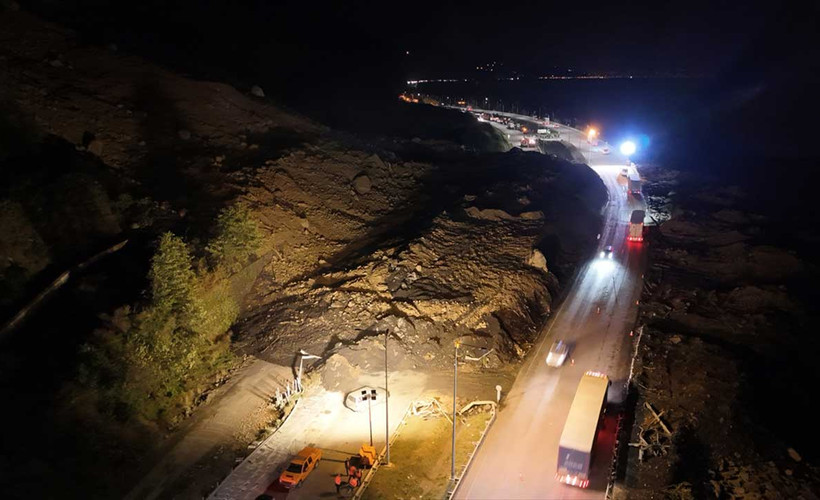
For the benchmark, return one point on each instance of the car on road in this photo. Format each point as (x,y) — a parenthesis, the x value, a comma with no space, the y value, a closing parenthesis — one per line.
(558,353)
(300,467)
(607,252)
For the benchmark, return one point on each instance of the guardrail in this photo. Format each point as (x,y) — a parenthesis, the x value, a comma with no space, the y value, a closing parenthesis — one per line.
(369,477)
(619,430)
(292,388)
(453,488)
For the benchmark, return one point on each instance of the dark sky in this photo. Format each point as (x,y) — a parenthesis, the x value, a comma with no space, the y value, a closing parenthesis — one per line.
(534,36)
(307,48)
(445,37)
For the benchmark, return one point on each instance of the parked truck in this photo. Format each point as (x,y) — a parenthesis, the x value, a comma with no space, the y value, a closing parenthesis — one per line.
(578,438)
(634,182)
(636,226)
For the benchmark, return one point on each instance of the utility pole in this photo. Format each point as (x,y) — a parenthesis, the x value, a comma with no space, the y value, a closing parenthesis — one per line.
(455,384)
(303,356)
(386,403)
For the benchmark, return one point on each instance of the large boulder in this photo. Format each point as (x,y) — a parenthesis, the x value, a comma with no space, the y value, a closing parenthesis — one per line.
(538,260)
(488,214)
(362,184)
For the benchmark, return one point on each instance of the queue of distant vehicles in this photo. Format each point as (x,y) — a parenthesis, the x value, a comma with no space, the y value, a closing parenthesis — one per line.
(537,128)
(586,414)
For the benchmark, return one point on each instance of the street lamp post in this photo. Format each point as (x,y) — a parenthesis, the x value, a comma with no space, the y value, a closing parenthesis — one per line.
(455,385)
(386,405)
(302,356)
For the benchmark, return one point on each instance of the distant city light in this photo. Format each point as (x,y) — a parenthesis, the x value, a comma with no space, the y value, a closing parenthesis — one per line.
(628,148)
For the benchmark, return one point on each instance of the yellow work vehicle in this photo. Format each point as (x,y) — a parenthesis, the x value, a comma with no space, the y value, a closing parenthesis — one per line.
(366,457)
(300,466)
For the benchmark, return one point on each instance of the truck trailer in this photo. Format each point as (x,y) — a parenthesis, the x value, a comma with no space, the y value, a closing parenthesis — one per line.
(636,226)
(634,182)
(578,437)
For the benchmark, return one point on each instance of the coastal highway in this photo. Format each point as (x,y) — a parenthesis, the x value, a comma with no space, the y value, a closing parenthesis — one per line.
(518,459)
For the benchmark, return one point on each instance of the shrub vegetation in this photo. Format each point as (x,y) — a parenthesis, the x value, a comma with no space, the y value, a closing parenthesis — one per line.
(151,362)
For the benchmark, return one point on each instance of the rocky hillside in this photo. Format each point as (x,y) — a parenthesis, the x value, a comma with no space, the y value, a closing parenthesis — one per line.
(429,252)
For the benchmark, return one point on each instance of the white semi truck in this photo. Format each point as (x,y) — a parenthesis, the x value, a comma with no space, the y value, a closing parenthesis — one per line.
(578,437)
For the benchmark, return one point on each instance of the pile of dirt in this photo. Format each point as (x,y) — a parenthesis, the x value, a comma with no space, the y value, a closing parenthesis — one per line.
(724,351)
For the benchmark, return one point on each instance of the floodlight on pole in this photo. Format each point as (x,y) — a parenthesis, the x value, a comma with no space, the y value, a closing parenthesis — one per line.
(369,397)
(628,148)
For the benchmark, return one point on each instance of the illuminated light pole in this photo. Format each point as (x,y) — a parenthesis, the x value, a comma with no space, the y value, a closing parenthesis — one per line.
(302,356)
(455,385)
(628,148)
(386,405)
(592,137)
(369,398)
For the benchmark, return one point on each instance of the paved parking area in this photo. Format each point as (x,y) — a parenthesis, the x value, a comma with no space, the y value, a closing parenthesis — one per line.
(321,420)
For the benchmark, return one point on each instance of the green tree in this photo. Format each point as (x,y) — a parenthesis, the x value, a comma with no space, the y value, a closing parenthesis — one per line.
(172,277)
(237,237)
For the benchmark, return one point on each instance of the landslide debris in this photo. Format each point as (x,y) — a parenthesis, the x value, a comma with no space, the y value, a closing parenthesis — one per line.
(726,351)
(431,253)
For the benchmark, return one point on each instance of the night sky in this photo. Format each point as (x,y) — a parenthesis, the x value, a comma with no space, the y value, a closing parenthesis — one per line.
(445,38)
(763,57)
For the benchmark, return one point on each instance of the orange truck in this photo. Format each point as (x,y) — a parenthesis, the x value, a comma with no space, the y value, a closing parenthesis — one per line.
(300,467)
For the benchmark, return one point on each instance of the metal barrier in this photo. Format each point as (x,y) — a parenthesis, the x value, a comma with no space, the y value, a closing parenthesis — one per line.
(613,468)
(369,477)
(453,488)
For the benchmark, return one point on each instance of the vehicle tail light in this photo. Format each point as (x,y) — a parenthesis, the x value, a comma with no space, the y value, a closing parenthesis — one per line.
(572,480)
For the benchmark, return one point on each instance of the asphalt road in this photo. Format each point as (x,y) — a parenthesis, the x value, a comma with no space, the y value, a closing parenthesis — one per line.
(519,457)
